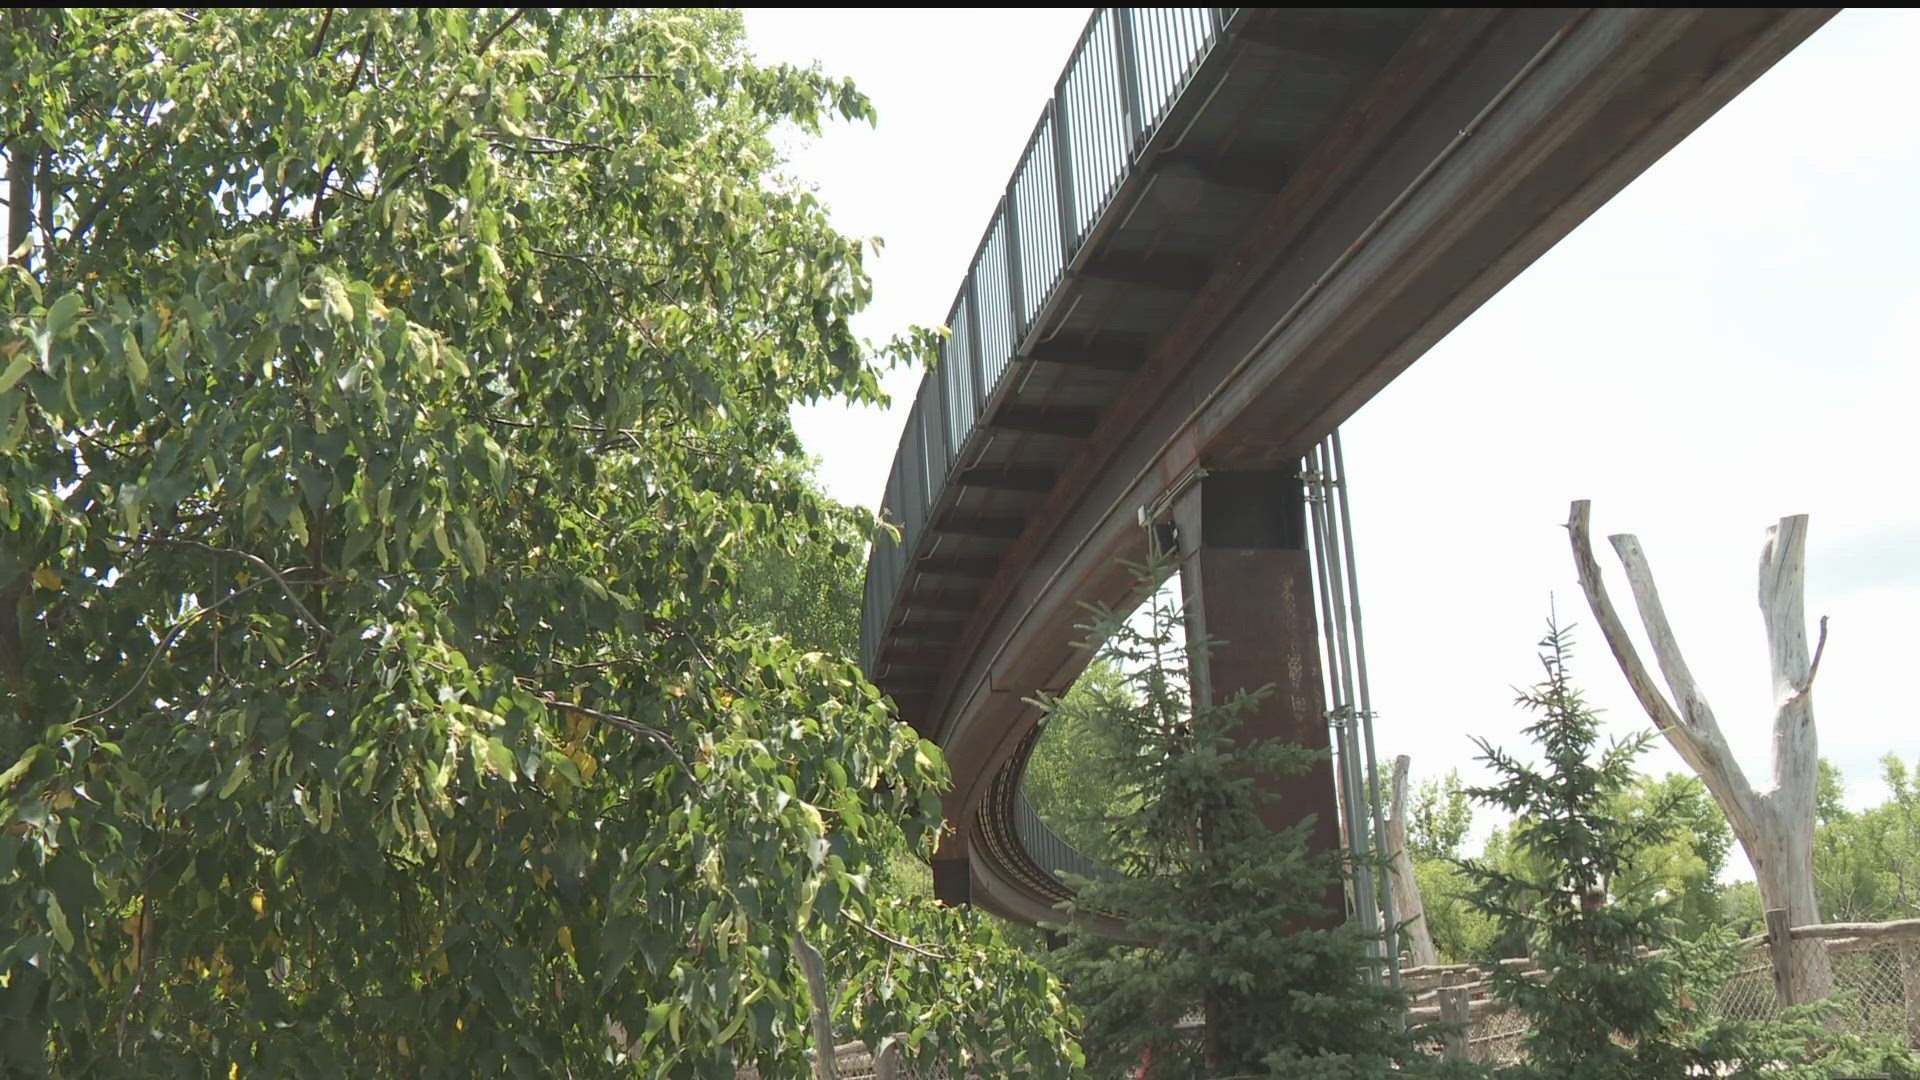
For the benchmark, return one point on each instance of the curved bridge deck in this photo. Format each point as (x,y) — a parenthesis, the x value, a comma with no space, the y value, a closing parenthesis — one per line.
(1229,230)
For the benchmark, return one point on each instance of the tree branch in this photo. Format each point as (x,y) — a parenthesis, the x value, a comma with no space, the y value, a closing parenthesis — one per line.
(165,643)
(1782,605)
(19,200)
(645,731)
(1782,598)
(550,146)
(353,80)
(824,1065)
(157,134)
(1813,669)
(894,941)
(142,947)
(320,36)
(13,652)
(1579,529)
(1695,714)
(256,561)
(487,42)
(1697,737)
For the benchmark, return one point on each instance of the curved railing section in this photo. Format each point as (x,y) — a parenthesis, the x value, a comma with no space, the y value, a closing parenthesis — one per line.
(1129,67)
(1050,850)
(1024,846)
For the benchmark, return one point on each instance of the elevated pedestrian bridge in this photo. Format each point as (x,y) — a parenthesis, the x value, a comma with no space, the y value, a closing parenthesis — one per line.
(1229,229)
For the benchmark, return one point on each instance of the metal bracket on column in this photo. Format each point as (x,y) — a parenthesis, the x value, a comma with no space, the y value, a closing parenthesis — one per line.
(1156,511)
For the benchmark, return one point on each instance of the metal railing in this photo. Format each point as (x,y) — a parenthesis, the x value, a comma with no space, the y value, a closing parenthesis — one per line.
(1129,67)
(1049,850)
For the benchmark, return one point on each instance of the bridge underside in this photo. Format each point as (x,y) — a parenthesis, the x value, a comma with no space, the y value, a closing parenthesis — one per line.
(1333,192)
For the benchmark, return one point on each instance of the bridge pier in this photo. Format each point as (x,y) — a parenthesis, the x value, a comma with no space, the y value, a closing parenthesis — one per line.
(1248,583)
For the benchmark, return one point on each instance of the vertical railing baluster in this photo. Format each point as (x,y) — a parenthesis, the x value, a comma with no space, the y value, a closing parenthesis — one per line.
(933,479)
(981,391)
(1129,77)
(916,468)
(916,474)
(1063,170)
(959,395)
(942,426)
(1016,289)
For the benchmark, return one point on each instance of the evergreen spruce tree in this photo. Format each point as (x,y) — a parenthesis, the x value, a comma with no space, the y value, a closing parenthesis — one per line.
(1230,964)
(1620,996)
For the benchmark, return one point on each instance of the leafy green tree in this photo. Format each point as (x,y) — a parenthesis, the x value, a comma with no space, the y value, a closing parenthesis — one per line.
(1224,923)
(1572,891)
(807,587)
(1438,818)
(1866,864)
(1829,797)
(387,398)
(1686,866)
(1622,995)
(1462,933)
(1069,778)
(1903,830)
(1740,900)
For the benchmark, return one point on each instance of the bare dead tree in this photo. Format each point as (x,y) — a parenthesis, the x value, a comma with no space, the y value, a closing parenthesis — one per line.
(1774,824)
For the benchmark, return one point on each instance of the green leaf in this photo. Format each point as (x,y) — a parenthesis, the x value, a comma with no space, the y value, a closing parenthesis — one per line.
(339,305)
(473,545)
(18,770)
(657,1014)
(500,758)
(57,921)
(61,315)
(236,776)
(16,370)
(136,363)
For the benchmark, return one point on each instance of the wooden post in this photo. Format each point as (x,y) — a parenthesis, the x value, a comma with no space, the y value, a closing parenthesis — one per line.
(1780,950)
(826,1061)
(1456,1011)
(1408,905)
(1910,989)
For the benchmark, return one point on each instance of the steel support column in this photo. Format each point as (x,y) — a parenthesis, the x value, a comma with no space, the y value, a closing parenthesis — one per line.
(1248,584)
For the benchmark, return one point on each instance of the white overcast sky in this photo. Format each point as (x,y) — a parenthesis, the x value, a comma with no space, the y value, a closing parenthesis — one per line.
(1734,338)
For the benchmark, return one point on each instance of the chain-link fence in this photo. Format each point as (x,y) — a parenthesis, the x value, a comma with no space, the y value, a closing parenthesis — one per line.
(852,1061)
(1871,971)
(1494,1038)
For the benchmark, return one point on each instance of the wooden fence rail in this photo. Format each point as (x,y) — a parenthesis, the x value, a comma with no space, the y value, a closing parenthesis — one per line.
(1876,970)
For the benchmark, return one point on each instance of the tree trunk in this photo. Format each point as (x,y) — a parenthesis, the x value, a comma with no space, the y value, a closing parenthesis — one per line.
(19,204)
(1407,905)
(825,1064)
(21,157)
(1774,825)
